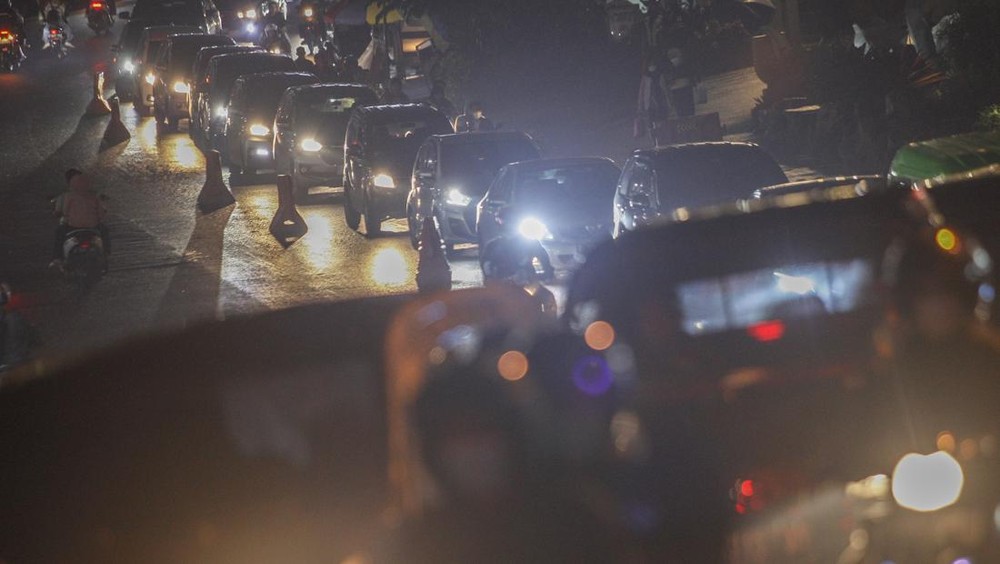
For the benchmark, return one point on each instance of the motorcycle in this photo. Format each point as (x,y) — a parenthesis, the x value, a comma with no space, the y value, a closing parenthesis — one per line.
(57,40)
(10,51)
(311,28)
(84,260)
(274,40)
(99,17)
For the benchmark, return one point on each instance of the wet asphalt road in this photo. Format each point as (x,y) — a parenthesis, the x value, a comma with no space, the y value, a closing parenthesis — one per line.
(172,265)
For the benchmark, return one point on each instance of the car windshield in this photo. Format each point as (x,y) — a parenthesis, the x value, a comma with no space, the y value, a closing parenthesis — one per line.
(152,48)
(702,176)
(183,55)
(404,135)
(593,183)
(471,159)
(329,114)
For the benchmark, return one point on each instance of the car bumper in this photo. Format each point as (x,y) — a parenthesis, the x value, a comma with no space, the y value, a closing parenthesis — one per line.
(178,106)
(390,203)
(458,222)
(320,170)
(257,153)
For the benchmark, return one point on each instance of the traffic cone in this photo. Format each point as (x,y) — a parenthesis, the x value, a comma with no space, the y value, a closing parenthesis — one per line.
(214,193)
(116,132)
(433,270)
(98,106)
(287,225)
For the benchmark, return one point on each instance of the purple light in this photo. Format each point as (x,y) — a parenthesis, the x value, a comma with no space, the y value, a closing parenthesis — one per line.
(592,375)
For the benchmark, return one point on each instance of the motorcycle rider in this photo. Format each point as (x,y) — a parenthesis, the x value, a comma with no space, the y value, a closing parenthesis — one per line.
(302,63)
(316,21)
(79,208)
(55,17)
(7,21)
(277,19)
(16,335)
(109,6)
(10,16)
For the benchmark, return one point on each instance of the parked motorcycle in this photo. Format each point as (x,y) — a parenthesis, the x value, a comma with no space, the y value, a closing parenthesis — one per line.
(10,51)
(99,17)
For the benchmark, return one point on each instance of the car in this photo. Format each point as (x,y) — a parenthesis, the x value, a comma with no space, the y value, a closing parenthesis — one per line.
(452,172)
(173,79)
(199,79)
(249,130)
(202,13)
(764,344)
(125,48)
(223,71)
(309,129)
(655,182)
(864,182)
(944,156)
(559,208)
(147,54)
(380,145)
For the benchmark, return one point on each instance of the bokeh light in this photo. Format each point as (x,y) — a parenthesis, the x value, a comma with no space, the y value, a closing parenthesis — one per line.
(599,335)
(592,375)
(946,239)
(946,441)
(512,365)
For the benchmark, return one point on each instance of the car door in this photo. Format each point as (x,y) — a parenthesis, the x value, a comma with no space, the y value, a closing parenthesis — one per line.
(234,122)
(493,206)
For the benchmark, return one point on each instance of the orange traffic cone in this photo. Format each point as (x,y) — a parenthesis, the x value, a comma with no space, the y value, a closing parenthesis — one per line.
(98,106)
(214,193)
(287,225)
(433,270)
(116,132)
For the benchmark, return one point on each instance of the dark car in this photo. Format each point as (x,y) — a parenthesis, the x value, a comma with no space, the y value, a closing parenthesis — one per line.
(202,13)
(249,121)
(199,78)
(309,130)
(126,57)
(223,71)
(763,344)
(656,182)
(557,208)
(146,58)
(451,174)
(172,84)
(379,149)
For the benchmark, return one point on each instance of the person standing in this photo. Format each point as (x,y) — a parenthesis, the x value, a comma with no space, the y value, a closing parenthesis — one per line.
(474,120)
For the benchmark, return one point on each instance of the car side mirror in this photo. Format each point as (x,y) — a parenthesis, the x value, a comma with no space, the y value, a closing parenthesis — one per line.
(124,14)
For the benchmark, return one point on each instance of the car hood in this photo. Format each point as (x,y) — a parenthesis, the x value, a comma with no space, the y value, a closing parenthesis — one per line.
(575,219)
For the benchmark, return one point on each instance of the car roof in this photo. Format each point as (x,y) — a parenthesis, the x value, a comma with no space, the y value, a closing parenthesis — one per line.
(871,181)
(323,88)
(702,146)
(560,162)
(249,57)
(195,38)
(168,30)
(946,155)
(398,111)
(262,78)
(480,136)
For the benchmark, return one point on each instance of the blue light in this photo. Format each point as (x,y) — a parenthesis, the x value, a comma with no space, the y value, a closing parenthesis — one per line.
(592,375)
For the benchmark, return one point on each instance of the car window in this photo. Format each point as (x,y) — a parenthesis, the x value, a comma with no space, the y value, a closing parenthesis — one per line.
(623,180)
(640,182)
(500,191)
(578,183)
(705,176)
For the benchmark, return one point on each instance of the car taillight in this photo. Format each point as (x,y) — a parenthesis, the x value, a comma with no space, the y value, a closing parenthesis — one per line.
(767,331)
(96,5)
(54,31)
(84,244)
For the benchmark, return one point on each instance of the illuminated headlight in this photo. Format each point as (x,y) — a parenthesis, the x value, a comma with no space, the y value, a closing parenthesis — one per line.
(150,79)
(927,483)
(127,66)
(383,181)
(312,146)
(259,130)
(308,12)
(455,197)
(251,13)
(239,15)
(261,152)
(181,88)
(251,27)
(534,229)
(221,112)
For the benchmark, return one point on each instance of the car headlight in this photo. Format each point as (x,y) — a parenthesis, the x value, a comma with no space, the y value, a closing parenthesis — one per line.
(181,87)
(251,13)
(927,482)
(239,15)
(128,66)
(251,27)
(308,12)
(534,229)
(455,197)
(311,145)
(150,79)
(259,130)
(221,112)
(383,181)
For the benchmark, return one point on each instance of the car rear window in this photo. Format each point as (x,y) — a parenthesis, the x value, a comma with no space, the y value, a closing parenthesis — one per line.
(703,176)
(229,73)
(566,183)
(183,54)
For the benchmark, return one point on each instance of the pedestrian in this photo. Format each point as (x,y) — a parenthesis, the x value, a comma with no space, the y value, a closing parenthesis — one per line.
(302,63)
(79,208)
(474,120)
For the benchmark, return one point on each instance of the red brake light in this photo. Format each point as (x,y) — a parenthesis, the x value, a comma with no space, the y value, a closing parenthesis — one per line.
(746,488)
(96,5)
(767,331)
(84,244)
(54,31)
